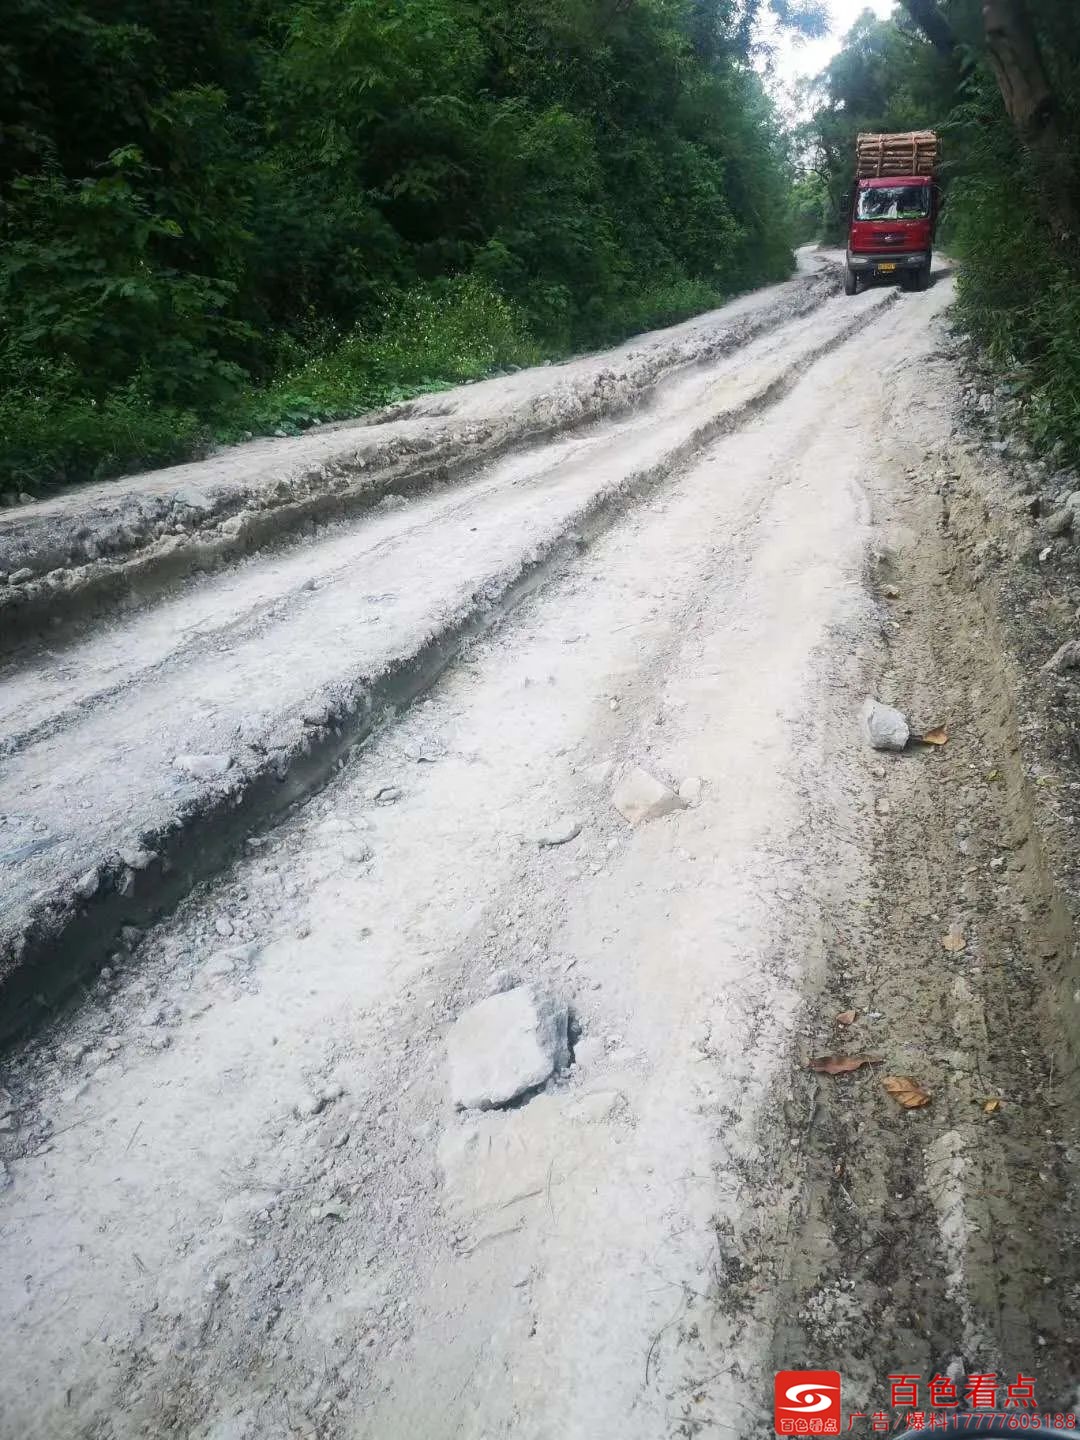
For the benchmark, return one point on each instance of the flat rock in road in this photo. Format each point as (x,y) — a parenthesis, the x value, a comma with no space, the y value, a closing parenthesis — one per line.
(640,796)
(505,1046)
(565,829)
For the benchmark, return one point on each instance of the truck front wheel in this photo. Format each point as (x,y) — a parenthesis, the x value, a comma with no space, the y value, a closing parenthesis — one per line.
(922,277)
(851,281)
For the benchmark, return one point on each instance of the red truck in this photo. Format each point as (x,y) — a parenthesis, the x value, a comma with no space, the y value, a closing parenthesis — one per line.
(893,213)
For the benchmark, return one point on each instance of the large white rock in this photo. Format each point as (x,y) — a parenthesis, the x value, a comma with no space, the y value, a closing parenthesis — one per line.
(886,728)
(640,796)
(505,1045)
(203,767)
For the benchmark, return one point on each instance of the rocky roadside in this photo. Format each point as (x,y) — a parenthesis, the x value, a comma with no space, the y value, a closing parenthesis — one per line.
(944,1236)
(1015,522)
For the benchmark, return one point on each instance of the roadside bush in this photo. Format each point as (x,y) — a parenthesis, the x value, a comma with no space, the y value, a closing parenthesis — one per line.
(442,333)
(665,302)
(55,438)
(86,290)
(1019,294)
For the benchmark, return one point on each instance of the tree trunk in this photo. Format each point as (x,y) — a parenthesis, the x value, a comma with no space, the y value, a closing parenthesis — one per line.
(933,24)
(1017,63)
(1013,50)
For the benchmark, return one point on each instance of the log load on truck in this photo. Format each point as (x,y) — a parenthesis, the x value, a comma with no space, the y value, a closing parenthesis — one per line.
(892,214)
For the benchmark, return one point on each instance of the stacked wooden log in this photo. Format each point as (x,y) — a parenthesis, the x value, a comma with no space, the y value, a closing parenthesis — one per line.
(915,152)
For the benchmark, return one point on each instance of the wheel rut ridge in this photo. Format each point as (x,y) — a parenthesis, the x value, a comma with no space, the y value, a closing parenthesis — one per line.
(63,939)
(91,563)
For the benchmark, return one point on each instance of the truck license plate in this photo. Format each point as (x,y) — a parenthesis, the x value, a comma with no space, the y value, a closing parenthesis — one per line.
(888,266)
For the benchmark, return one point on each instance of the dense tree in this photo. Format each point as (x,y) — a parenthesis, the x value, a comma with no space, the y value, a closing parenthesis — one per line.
(205,199)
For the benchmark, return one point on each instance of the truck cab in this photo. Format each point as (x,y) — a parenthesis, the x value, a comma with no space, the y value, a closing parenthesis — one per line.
(891,231)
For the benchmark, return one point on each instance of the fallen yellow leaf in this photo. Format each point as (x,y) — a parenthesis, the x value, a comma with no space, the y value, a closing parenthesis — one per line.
(841,1064)
(847,1017)
(906,1091)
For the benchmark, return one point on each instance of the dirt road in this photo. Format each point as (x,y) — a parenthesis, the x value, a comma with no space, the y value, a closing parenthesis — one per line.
(240,1200)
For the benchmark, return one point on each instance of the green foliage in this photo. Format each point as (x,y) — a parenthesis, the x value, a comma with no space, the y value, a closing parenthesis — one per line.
(218,217)
(441,333)
(809,201)
(55,434)
(1018,295)
(87,291)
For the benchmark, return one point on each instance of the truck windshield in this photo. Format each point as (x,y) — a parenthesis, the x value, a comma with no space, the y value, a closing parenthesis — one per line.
(894,202)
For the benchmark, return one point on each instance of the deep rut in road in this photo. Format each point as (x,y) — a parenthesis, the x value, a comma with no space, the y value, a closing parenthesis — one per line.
(228,668)
(241,1203)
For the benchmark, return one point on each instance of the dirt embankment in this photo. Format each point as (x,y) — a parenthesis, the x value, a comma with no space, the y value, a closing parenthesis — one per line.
(113,544)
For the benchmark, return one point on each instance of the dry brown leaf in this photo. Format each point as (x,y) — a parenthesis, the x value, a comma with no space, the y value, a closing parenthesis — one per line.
(847,1017)
(936,735)
(906,1091)
(954,940)
(991,1106)
(841,1064)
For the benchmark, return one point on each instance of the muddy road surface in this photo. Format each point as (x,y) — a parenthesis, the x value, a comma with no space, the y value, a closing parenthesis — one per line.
(418,919)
